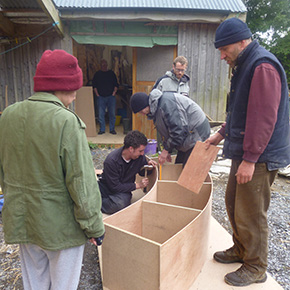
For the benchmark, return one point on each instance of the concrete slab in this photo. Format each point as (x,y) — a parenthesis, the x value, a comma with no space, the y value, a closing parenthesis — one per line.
(107,138)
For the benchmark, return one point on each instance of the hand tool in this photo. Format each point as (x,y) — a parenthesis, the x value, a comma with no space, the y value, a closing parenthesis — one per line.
(146,167)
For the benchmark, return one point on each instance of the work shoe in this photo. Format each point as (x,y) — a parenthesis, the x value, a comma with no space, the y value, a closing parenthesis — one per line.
(113,132)
(244,277)
(228,256)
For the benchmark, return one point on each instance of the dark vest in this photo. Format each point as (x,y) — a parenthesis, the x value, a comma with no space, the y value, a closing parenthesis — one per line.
(277,152)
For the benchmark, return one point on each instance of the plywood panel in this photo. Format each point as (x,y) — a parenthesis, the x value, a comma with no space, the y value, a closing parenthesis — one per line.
(182,257)
(84,107)
(170,171)
(127,219)
(162,221)
(169,250)
(172,193)
(197,166)
(129,262)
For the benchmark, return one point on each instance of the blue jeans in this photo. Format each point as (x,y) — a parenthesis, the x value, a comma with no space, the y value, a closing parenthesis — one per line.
(110,103)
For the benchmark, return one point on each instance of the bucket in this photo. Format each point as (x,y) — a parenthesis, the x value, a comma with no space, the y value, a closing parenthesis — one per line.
(151,147)
(118,120)
(122,112)
(1,203)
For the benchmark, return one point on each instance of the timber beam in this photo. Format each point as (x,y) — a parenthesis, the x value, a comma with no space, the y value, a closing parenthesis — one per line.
(50,10)
(6,25)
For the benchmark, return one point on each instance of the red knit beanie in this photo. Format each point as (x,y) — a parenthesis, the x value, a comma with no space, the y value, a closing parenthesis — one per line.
(57,70)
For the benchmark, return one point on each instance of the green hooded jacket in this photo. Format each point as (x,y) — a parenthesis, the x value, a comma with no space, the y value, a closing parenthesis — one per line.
(51,195)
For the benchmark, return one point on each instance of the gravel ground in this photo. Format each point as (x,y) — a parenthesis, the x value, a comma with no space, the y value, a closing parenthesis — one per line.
(279,240)
(278,220)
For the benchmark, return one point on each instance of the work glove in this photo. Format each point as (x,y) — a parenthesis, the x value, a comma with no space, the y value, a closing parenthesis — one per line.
(99,240)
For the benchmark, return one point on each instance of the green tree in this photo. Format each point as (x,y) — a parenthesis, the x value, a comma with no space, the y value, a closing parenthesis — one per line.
(269,21)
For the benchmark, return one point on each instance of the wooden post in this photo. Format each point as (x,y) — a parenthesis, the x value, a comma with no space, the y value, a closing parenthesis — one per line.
(6,96)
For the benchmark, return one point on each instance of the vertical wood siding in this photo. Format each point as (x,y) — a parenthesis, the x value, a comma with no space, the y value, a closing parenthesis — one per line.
(17,67)
(209,82)
(209,75)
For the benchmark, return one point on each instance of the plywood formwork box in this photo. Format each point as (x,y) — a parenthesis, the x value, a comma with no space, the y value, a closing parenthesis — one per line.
(160,241)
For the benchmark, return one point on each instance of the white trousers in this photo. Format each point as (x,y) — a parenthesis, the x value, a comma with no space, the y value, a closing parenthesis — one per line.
(50,270)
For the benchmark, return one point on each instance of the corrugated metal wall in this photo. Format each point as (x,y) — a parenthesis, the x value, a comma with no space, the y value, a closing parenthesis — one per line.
(17,67)
(209,80)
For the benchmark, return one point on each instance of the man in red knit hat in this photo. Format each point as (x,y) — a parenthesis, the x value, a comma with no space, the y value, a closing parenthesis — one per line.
(52,199)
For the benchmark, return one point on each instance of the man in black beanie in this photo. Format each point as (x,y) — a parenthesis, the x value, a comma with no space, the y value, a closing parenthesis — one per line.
(256,136)
(178,119)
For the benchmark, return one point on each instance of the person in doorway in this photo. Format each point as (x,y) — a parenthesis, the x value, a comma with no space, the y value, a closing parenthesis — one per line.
(105,87)
(52,200)
(120,168)
(176,80)
(178,119)
(256,136)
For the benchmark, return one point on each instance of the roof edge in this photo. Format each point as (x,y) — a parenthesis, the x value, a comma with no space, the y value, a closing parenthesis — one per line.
(168,17)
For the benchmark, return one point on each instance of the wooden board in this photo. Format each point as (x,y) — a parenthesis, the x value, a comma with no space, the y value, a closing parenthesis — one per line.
(161,221)
(158,242)
(197,167)
(182,257)
(170,171)
(84,106)
(172,193)
(130,262)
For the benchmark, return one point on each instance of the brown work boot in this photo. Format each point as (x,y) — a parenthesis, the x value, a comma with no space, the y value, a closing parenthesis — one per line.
(244,277)
(228,256)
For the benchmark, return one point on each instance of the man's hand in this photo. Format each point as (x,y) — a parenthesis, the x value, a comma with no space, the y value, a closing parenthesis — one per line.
(164,156)
(213,140)
(245,172)
(144,182)
(152,162)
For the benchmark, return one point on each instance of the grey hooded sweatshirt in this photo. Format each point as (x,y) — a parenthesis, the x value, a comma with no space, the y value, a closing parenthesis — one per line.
(178,119)
(170,83)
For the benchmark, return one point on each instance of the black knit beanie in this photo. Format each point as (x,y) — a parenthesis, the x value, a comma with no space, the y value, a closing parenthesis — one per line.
(231,31)
(139,101)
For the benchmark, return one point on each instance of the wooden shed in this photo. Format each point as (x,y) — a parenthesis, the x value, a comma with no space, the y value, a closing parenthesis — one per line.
(139,39)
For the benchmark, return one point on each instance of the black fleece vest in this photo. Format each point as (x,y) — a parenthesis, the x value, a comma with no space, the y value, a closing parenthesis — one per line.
(277,152)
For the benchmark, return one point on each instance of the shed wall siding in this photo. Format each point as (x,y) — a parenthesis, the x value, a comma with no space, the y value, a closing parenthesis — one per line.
(209,80)
(17,67)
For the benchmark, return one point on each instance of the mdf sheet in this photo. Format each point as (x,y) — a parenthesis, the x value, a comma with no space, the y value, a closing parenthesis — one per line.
(84,106)
(129,261)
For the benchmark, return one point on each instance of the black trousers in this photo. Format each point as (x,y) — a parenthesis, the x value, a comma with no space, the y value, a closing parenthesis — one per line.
(113,202)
